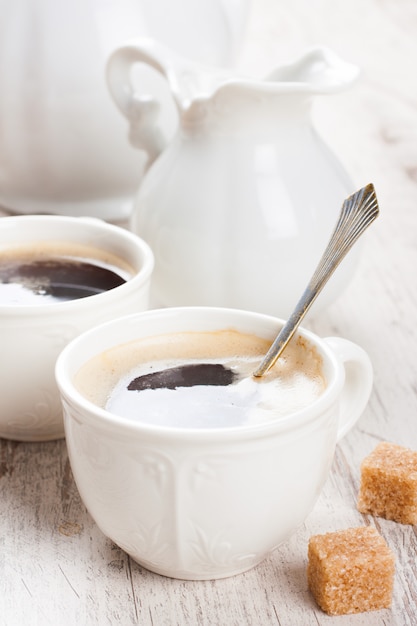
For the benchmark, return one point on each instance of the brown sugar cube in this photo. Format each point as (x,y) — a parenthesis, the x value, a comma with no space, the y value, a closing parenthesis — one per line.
(350,571)
(388,485)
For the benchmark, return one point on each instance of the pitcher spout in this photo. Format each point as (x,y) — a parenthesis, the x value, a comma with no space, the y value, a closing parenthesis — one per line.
(320,70)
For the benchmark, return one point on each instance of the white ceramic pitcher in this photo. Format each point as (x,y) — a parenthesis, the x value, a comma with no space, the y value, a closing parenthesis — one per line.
(62,143)
(240,204)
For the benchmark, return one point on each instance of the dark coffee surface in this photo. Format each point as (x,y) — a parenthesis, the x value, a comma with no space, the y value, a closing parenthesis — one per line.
(212,374)
(59,279)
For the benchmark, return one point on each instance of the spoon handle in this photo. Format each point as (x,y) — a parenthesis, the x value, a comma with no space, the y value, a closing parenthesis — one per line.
(357,213)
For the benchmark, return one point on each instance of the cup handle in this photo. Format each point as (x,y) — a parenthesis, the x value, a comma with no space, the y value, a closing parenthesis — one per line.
(358,382)
(141,110)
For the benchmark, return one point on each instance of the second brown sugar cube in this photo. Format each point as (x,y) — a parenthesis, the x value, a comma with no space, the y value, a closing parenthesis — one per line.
(350,571)
(389,484)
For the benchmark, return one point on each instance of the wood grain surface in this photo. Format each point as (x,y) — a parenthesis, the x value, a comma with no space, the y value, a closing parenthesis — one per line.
(56,567)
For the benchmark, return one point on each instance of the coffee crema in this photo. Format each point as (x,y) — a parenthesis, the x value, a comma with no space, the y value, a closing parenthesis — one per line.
(50,272)
(295,382)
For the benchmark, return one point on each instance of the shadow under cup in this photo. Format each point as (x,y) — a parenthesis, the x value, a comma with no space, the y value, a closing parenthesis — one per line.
(32,335)
(209,503)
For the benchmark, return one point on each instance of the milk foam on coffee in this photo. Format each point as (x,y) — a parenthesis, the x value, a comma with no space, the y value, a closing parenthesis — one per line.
(294,383)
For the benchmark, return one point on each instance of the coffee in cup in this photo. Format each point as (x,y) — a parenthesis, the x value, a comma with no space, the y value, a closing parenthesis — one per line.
(202,380)
(58,271)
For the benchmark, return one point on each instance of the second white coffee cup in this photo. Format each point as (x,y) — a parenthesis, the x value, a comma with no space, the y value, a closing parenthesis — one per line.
(32,335)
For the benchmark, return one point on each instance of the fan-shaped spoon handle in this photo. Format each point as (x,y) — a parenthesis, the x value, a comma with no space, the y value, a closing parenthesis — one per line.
(357,213)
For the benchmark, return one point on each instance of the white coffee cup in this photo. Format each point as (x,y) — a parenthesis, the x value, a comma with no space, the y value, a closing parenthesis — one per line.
(208,503)
(32,335)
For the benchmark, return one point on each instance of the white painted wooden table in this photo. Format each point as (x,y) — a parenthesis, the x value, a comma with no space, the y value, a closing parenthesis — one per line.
(56,568)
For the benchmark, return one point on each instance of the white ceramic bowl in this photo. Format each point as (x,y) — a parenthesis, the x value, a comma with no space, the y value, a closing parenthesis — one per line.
(203,504)
(31,336)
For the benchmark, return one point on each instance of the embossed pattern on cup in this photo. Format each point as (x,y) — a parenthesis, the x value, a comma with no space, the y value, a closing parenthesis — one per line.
(203,513)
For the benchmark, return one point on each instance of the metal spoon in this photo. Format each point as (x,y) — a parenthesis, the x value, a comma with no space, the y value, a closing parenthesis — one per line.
(357,213)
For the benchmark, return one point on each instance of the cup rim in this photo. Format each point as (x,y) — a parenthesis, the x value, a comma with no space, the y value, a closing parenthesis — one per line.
(67,365)
(140,277)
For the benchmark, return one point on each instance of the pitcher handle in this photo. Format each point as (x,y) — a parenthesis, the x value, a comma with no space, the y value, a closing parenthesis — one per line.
(358,382)
(141,110)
